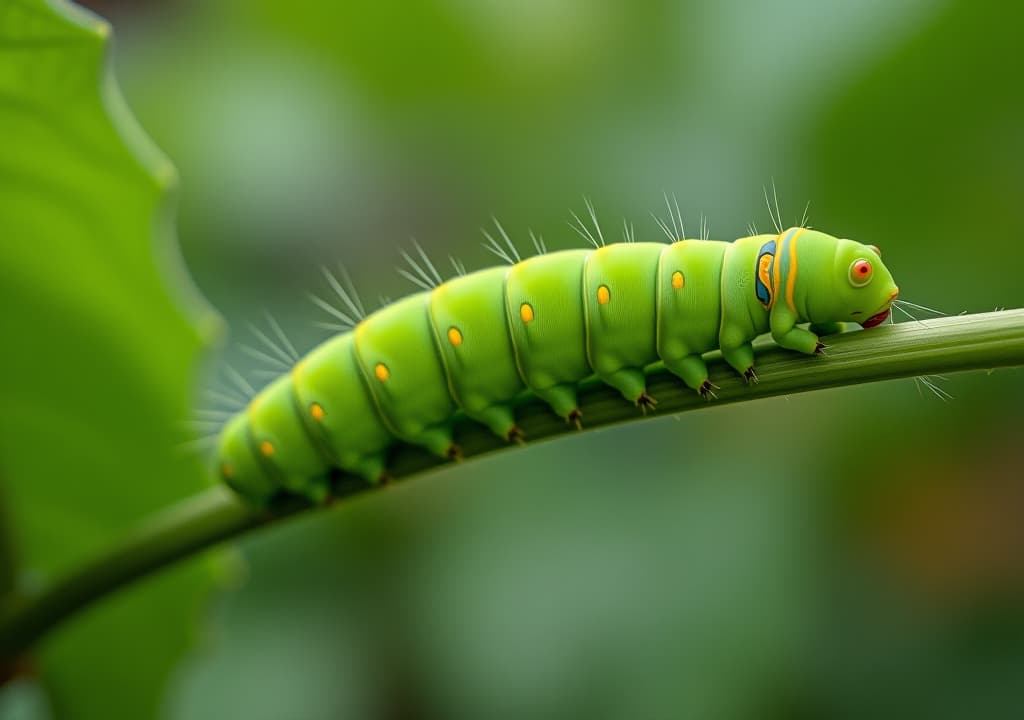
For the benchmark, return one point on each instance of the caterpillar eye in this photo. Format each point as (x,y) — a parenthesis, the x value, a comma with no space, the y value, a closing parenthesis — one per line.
(877,251)
(860,273)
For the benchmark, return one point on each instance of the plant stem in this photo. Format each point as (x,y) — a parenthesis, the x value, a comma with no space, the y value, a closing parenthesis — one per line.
(964,342)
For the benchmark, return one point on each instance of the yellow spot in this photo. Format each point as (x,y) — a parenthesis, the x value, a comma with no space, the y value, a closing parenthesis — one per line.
(677,280)
(526,312)
(382,372)
(227,471)
(454,336)
(316,411)
(266,448)
(603,296)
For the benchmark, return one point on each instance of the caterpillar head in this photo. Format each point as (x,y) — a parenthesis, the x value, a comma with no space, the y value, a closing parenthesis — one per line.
(862,286)
(237,465)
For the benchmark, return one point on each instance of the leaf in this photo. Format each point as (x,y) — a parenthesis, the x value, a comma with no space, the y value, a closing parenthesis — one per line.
(98,359)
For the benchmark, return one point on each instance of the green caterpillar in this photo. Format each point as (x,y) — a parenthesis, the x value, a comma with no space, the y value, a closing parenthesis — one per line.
(478,341)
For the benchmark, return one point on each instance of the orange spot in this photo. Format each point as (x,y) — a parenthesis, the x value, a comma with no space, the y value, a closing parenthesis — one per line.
(317,411)
(382,372)
(454,336)
(603,295)
(677,280)
(526,312)
(266,448)
(227,471)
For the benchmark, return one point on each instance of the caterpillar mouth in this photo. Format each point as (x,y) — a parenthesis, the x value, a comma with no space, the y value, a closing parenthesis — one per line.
(876,319)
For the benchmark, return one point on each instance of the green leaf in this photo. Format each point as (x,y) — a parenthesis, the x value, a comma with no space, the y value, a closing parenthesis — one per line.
(98,358)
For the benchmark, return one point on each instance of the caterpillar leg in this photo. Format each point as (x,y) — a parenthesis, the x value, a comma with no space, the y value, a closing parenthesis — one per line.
(788,335)
(693,371)
(741,358)
(632,383)
(371,469)
(562,399)
(830,328)
(318,493)
(500,420)
(315,489)
(438,441)
(800,340)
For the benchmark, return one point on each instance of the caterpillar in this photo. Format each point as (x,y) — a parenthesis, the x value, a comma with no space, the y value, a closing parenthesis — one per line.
(542,325)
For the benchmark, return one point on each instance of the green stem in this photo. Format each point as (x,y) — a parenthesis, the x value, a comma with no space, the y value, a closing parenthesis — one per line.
(965,342)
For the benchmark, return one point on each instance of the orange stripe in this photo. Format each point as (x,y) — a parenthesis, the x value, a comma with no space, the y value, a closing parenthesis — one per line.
(791,272)
(776,270)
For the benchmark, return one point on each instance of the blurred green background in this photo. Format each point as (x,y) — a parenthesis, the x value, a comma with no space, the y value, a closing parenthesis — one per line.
(745,561)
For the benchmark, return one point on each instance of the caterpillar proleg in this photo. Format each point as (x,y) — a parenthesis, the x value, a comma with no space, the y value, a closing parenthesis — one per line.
(542,325)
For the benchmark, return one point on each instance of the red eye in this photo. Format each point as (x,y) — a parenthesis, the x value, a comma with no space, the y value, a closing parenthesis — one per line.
(860,273)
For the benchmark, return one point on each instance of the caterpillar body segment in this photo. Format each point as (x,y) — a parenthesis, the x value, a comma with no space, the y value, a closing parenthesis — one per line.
(397,353)
(468,317)
(542,325)
(543,305)
(620,303)
(744,317)
(284,449)
(338,411)
(238,465)
(689,306)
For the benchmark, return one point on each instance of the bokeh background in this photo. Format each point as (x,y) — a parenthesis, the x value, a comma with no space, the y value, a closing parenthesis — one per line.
(849,553)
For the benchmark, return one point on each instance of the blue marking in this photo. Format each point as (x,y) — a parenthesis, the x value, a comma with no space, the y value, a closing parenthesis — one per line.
(763,292)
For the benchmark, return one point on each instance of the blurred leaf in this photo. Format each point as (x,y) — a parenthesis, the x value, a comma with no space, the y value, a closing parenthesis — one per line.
(930,134)
(636,572)
(96,371)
